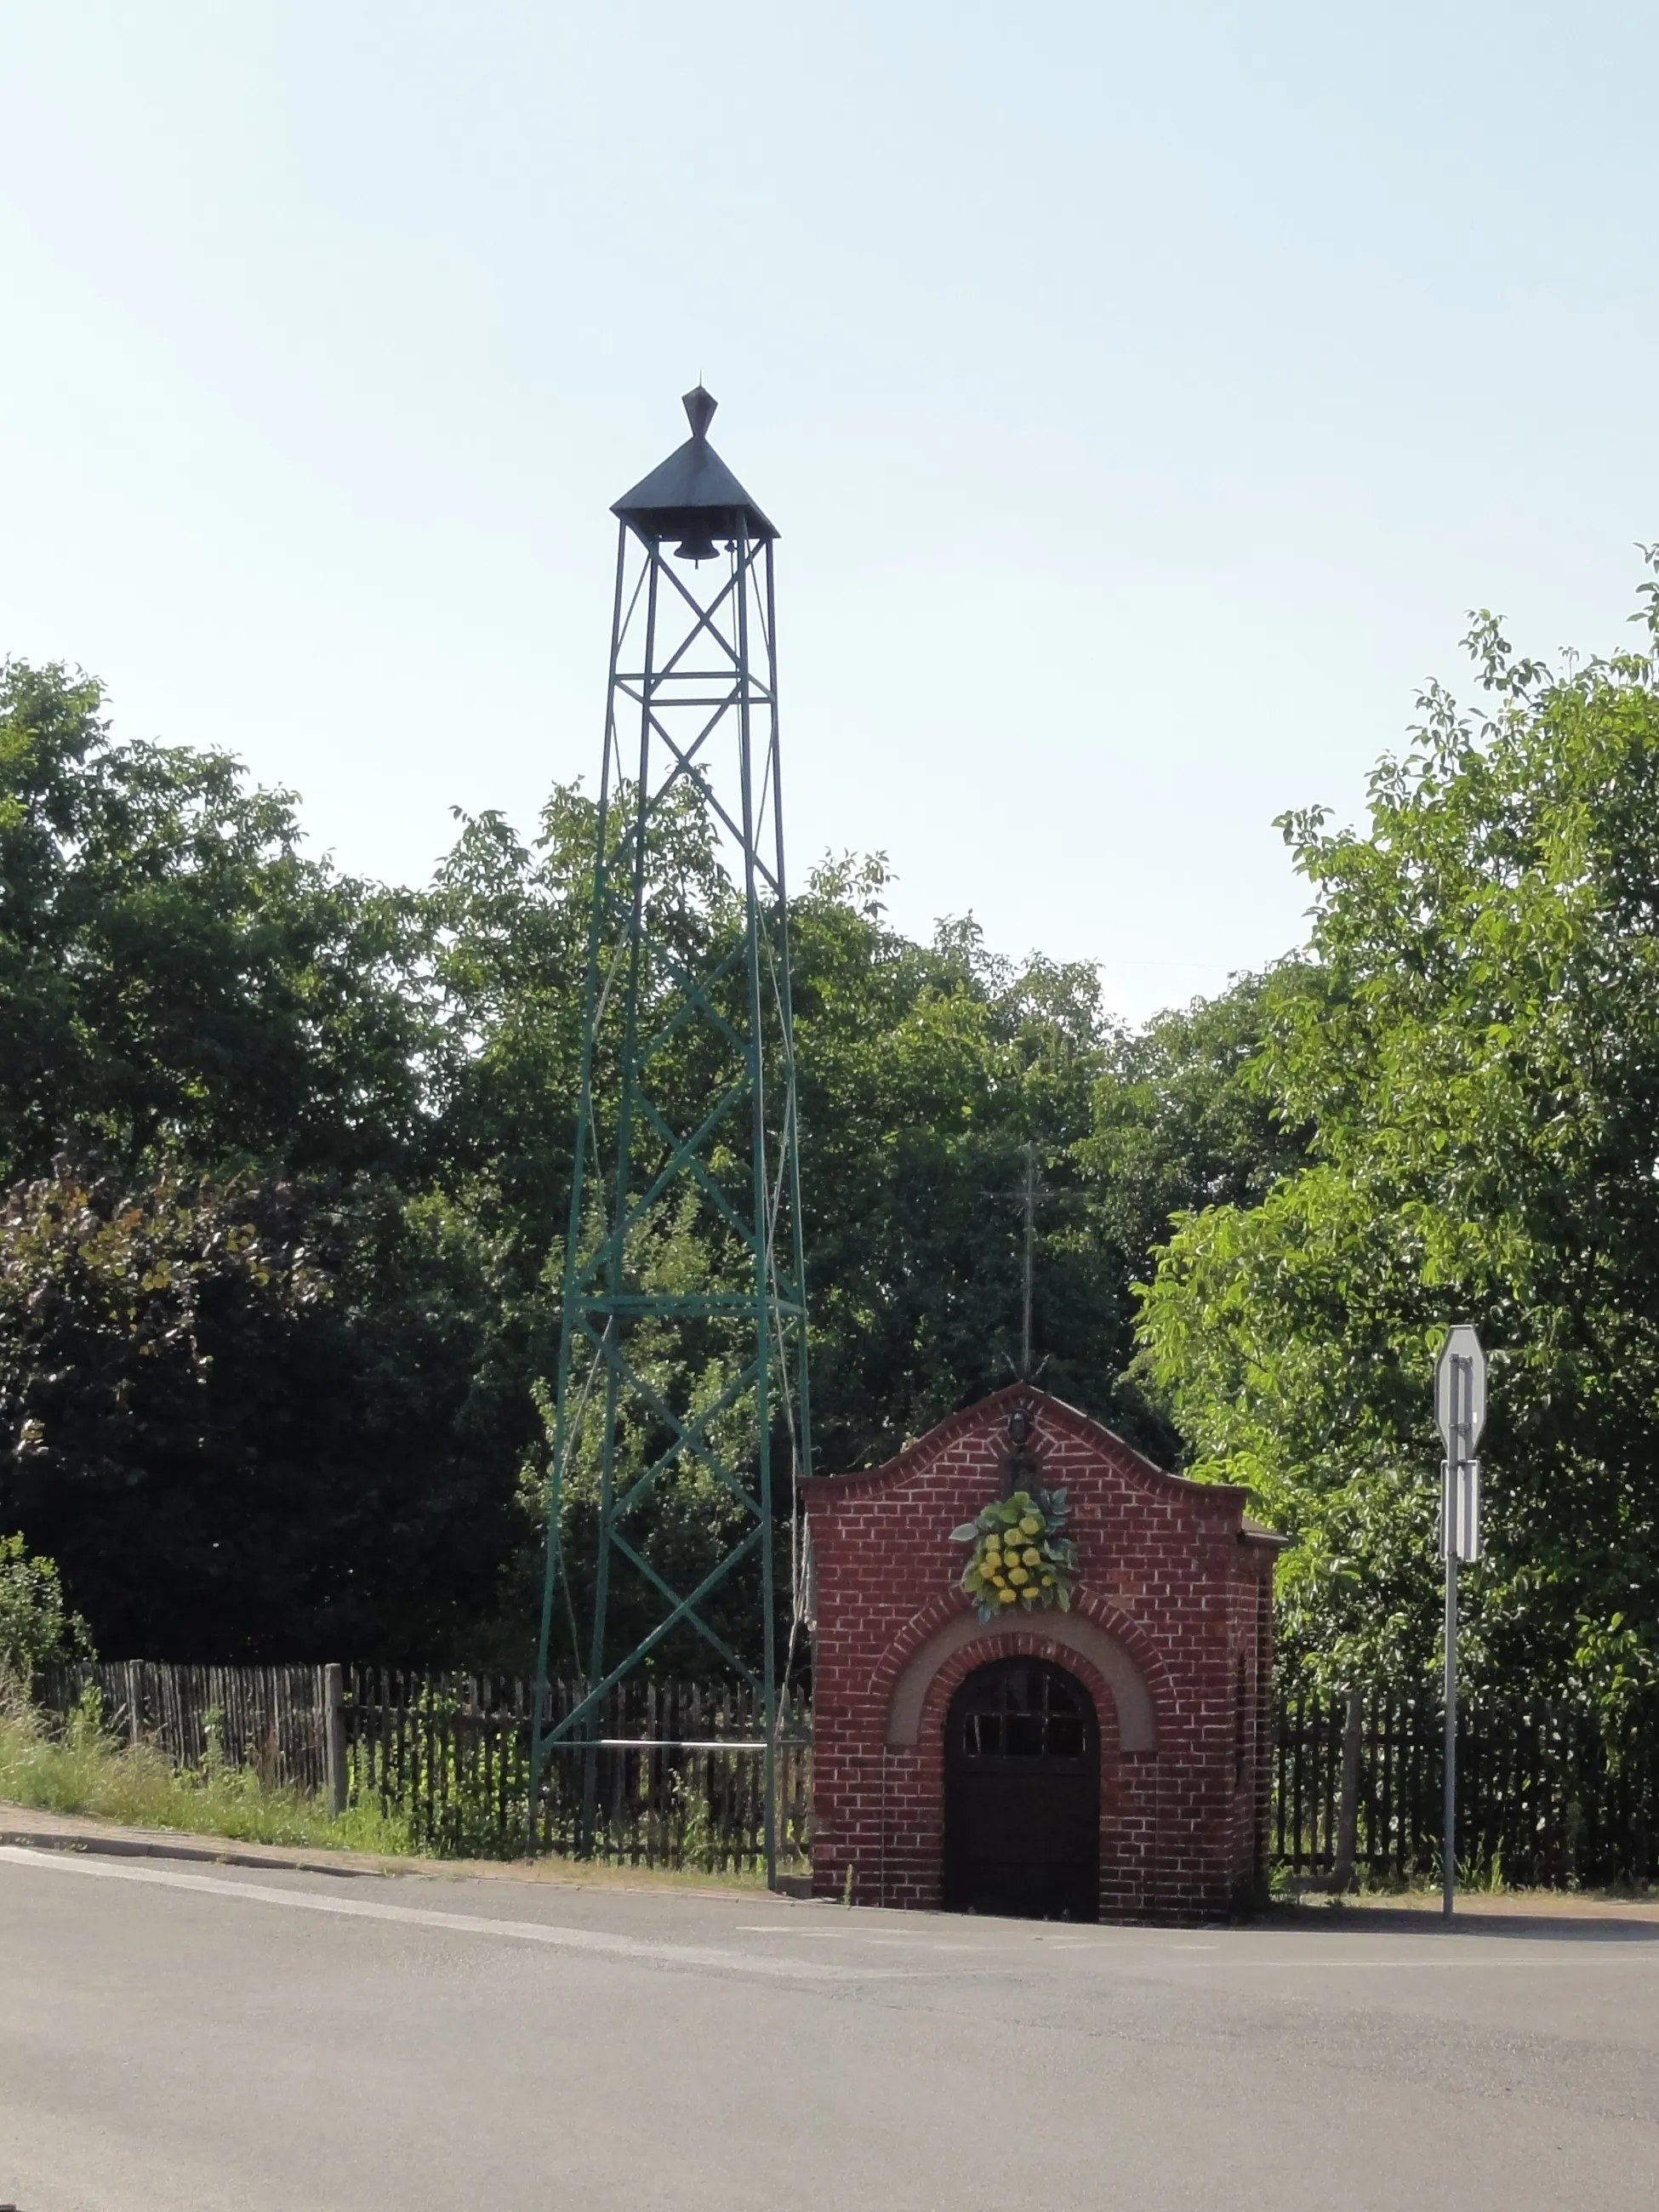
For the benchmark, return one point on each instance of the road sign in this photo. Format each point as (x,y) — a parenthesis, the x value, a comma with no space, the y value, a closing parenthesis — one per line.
(1460,1392)
(1460,1521)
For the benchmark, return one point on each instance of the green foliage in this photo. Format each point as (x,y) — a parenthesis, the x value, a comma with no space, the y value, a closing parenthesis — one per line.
(174,976)
(289,1162)
(693,1518)
(1187,1115)
(36,1626)
(77,1766)
(286,1169)
(1474,1046)
(237,1420)
(925,1074)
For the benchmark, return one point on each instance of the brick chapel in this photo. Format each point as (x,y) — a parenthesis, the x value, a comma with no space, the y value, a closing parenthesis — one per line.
(1098,1746)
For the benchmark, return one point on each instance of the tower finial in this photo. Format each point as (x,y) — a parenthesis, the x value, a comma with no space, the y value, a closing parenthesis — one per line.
(699,407)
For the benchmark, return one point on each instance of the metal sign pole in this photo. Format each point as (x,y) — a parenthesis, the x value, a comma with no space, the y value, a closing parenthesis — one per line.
(1460,1406)
(1449,1852)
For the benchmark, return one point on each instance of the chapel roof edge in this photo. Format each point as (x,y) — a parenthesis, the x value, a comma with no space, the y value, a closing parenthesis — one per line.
(980,1414)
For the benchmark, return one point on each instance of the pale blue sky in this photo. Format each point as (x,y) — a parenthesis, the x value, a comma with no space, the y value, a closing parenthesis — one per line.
(1144,395)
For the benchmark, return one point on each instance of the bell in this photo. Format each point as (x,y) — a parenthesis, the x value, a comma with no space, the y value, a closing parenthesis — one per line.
(696,549)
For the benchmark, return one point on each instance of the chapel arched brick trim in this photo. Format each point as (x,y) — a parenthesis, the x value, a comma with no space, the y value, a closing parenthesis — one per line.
(1139,1686)
(1008,1643)
(948,1604)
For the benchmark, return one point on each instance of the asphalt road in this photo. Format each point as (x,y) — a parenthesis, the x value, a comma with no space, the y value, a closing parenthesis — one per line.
(174,2040)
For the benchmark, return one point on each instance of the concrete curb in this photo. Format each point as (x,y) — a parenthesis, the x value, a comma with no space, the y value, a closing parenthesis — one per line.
(272,1857)
(56,1834)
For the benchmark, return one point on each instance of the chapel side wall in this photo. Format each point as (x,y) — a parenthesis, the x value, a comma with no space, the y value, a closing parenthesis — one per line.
(1215,1796)
(1261,1731)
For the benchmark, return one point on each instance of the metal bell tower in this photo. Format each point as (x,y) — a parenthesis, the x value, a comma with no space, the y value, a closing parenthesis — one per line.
(691,743)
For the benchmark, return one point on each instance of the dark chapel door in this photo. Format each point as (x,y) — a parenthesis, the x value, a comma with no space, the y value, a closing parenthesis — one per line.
(1021,1793)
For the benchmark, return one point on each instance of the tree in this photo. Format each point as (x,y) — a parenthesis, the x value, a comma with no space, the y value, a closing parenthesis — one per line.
(36,1626)
(926,1072)
(1474,1046)
(225,1062)
(174,977)
(244,1425)
(288,1158)
(1185,1117)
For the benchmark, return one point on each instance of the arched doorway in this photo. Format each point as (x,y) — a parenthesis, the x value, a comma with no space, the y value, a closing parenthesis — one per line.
(1021,1793)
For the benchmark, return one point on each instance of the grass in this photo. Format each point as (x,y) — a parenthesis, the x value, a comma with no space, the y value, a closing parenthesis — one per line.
(1476,1879)
(76,1766)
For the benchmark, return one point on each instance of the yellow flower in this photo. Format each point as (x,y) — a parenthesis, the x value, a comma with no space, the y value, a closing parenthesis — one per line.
(1018,1575)
(1030,1525)
(1031,1556)
(1006,1596)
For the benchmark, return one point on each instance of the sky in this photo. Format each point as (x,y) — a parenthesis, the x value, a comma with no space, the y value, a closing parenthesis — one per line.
(1145,396)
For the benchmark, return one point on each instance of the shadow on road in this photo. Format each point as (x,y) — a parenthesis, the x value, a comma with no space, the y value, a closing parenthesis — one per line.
(1601,1923)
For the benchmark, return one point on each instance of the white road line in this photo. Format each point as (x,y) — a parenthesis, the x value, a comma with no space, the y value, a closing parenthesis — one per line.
(706,1959)
(801,1935)
(1622,1951)
(699,1958)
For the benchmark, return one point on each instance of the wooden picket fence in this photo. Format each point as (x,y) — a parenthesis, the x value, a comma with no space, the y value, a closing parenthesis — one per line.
(665,1774)
(669,1774)
(268,1718)
(1544,1798)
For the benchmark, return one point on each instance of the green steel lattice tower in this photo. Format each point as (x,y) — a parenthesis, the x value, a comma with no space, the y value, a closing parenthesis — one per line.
(691,732)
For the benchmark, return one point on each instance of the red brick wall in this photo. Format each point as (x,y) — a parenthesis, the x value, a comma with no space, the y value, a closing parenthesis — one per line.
(1167,1568)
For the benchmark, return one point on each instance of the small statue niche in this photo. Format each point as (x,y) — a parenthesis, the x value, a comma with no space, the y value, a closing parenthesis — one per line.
(1021,1468)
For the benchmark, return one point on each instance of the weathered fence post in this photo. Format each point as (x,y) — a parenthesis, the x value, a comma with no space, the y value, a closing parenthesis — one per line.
(1347,1804)
(334,1742)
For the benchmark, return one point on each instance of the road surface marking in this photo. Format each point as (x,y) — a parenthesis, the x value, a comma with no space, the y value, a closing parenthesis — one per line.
(699,1957)
(760,1928)
(856,1935)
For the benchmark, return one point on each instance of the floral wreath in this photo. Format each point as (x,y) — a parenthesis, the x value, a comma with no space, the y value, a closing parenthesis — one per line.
(1019,1556)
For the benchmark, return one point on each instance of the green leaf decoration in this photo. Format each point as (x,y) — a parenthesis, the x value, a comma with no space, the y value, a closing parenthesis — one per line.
(1020,1563)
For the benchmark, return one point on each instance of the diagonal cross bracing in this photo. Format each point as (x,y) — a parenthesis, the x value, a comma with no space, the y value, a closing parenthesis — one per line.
(695,995)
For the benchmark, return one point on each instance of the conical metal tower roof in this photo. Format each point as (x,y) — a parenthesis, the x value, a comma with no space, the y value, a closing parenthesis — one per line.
(693,494)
